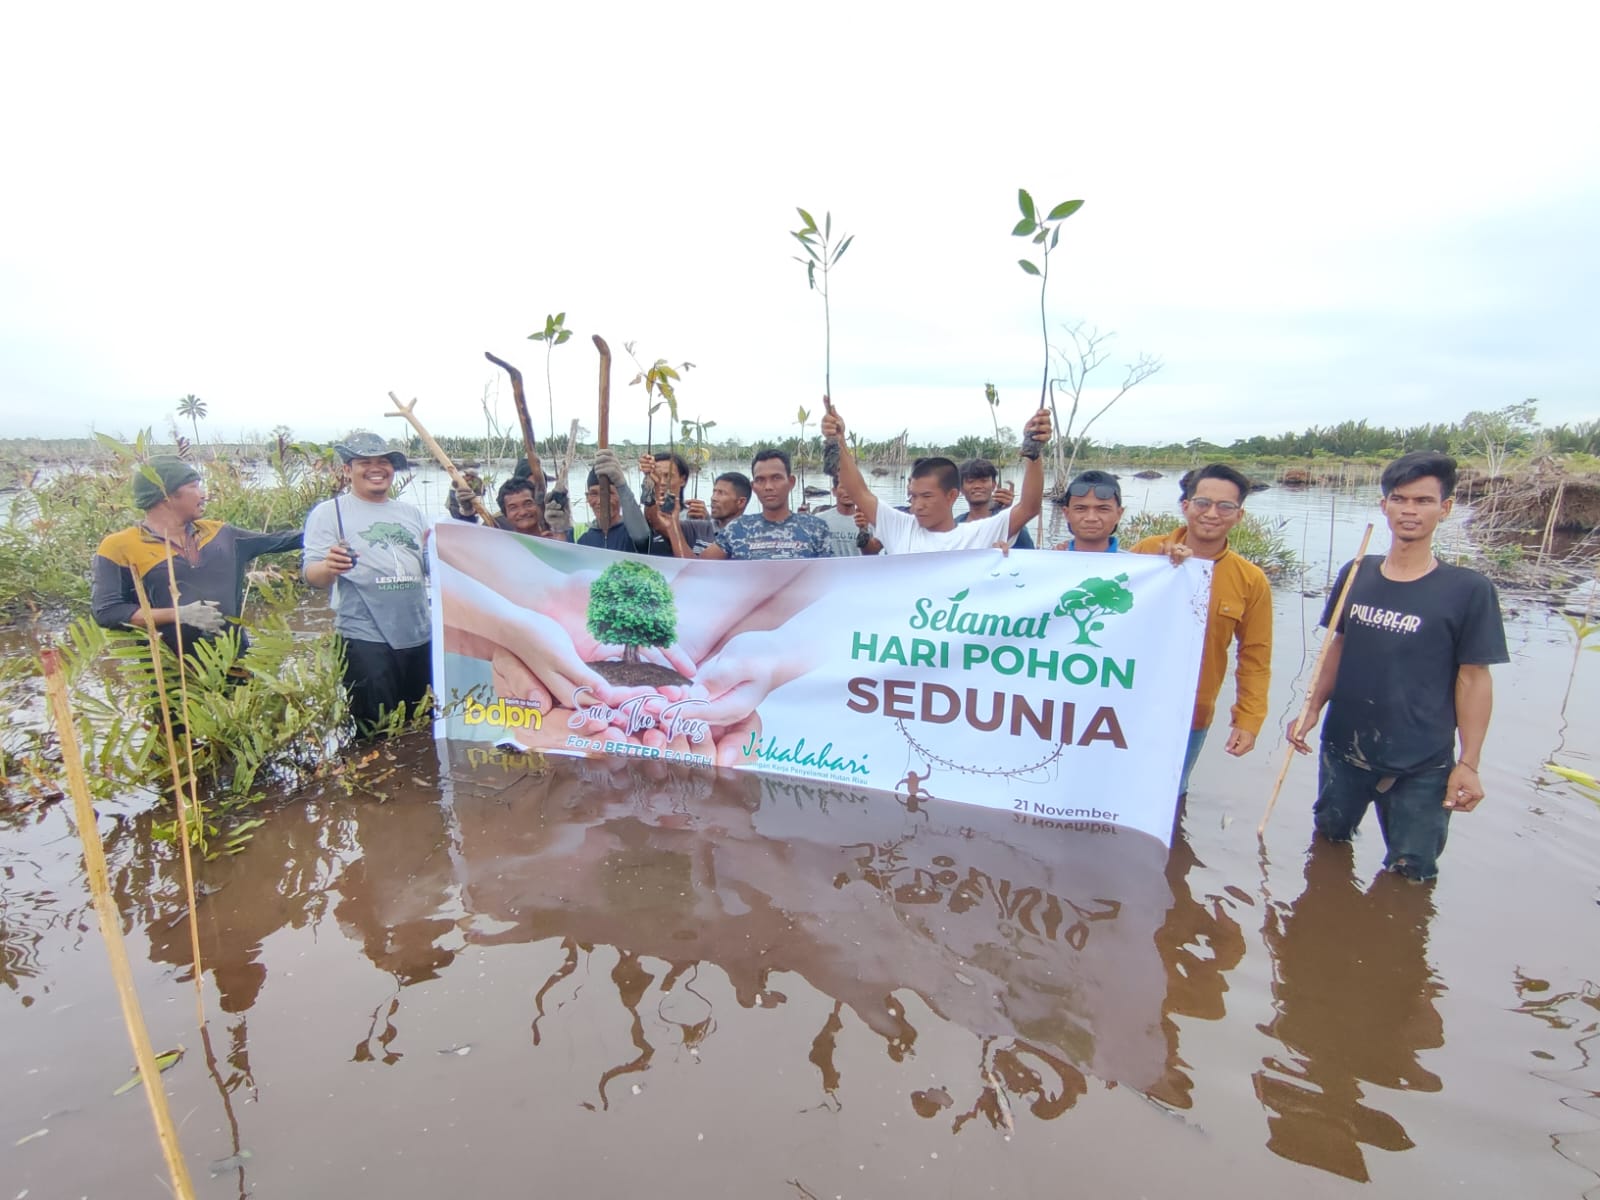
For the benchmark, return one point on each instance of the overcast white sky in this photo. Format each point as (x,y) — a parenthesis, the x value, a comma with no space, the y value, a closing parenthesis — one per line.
(1309,212)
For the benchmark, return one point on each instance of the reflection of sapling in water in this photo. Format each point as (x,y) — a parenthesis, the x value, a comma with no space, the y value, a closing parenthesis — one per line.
(632,606)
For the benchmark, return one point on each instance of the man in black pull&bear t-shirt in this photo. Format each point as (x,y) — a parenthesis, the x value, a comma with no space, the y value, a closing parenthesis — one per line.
(1407,673)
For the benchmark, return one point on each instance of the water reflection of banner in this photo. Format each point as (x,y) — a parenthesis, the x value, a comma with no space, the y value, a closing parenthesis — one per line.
(1045,939)
(1055,686)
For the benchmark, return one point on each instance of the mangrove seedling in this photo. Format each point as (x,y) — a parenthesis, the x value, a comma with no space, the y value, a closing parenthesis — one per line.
(1044,232)
(554,333)
(991,396)
(701,456)
(821,251)
(802,418)
(659,379)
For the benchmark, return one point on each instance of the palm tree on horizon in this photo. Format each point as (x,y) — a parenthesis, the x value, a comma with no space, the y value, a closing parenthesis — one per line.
(194,408)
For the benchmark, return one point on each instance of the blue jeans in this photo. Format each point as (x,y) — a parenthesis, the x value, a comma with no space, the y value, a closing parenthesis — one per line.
(1197,739)
(1411,811)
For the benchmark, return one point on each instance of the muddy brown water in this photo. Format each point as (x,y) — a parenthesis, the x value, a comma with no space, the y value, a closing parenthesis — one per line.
(515,976)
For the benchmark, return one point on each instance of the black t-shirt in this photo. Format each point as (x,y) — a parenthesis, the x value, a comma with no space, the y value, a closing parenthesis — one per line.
(1393,707)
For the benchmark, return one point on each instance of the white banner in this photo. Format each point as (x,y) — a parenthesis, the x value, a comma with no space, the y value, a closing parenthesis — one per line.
(1058,687)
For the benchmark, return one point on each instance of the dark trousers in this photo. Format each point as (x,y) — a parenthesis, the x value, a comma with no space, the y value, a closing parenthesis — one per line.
(380,678)
(1411,811)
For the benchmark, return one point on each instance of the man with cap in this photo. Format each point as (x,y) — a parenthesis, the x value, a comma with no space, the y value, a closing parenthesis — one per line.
(208,559)
(367,547)
(1094,509)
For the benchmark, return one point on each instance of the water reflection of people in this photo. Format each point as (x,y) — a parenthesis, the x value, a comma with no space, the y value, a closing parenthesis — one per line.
(1038,941)
(1355,1004)
(1200,943)
(388,863)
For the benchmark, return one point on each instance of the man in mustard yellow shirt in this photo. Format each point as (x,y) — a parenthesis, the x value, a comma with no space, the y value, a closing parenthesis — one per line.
(1241,609)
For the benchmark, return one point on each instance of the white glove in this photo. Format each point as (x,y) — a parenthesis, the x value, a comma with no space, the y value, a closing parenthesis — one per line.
(203,615)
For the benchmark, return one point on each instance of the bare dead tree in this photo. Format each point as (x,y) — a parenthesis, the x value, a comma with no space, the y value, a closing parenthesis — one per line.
(1088,352)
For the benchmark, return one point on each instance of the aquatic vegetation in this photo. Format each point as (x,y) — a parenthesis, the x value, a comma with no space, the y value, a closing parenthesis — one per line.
(1255,538)
(275,715)
(49,534)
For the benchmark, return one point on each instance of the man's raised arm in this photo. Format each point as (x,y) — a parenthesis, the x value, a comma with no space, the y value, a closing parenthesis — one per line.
(850,477)
(1032,499)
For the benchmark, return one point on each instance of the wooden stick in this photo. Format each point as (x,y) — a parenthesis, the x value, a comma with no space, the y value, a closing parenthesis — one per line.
(94,859)
(408,411)
(1311,687)
(566,459)
(180,768)
(1550,524)
(530,445)
(604,436)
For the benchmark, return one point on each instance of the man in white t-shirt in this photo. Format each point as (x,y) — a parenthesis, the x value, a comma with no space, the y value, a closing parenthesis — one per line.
(935,487)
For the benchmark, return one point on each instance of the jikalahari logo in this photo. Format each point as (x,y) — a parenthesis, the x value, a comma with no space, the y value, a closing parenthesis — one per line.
(1091,600)
(503,714)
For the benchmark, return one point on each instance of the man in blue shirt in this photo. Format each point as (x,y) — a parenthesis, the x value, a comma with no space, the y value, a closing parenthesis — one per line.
(980,486)
(776,531)
(1094,509)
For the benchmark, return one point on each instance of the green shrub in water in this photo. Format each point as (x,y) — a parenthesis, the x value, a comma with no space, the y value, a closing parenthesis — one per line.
(277,715)
(50,532)
(1255,538)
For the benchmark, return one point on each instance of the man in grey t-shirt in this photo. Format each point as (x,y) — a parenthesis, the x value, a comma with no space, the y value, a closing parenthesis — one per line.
(368,549)
(847,525)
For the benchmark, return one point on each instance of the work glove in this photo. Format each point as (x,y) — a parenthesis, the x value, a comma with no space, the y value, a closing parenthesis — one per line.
(558,511)
(1038,426)
(203,615)
(608,468)
(461,504)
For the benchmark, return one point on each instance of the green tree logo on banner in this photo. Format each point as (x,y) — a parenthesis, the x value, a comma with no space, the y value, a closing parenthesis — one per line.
(1091,600)
(630,606)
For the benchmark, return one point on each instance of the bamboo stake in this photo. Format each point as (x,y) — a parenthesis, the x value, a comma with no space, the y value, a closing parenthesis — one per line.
(94,857)
(179,769)
(1311,687)
(1550,524)
(408,411)
(566,459)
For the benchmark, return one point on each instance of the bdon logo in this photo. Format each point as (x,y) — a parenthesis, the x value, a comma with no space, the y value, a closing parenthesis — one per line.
(503,714)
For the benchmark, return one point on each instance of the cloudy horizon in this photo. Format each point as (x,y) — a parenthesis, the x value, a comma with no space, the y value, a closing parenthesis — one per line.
(1383,214)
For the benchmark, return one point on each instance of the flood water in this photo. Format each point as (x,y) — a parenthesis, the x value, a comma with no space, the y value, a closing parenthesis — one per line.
(509,975)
